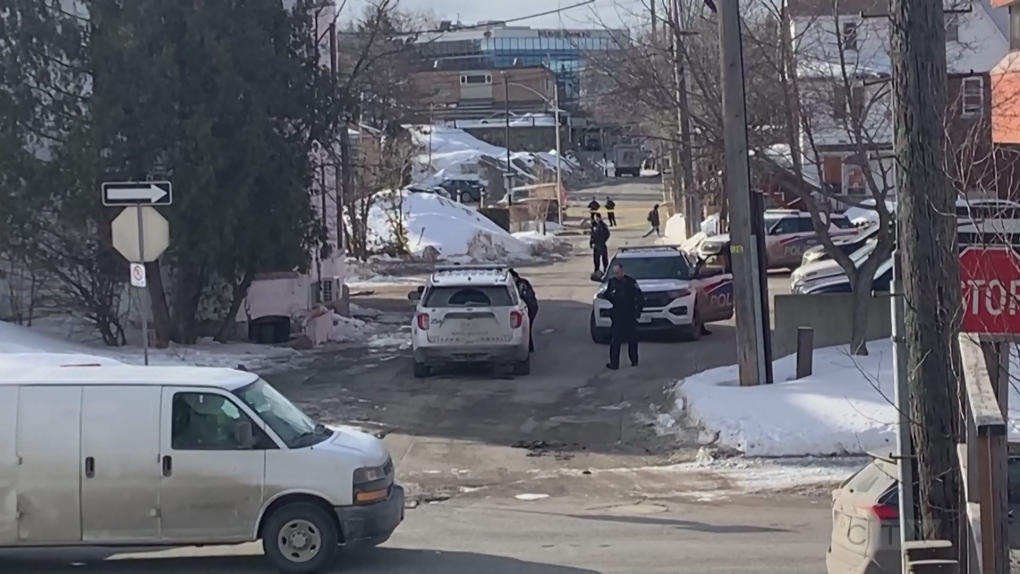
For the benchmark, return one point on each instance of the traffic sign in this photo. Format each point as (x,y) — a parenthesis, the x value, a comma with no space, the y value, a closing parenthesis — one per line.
(140,234)
(138,275)
(125,193)
(990,281)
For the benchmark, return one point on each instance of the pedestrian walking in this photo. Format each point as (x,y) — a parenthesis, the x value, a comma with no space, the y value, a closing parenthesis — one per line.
(611,211)
(527,293)
(653,220)
(599,244)
(625,295)
(593,208)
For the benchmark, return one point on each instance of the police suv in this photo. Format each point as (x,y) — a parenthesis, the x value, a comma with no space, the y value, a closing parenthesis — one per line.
(470,314)
(680,293)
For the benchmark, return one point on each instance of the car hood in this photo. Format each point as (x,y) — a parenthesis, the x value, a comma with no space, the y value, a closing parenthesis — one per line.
(817,270)
(352,442)
(714,243)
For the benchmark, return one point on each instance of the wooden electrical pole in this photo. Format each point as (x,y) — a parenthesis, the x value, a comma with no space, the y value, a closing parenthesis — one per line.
(744,243)
(928,247)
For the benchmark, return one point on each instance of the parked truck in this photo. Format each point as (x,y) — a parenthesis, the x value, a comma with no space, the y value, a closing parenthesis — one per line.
(627,159)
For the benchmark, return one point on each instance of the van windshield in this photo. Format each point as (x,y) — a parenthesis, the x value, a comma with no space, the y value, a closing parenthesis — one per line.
(288,422)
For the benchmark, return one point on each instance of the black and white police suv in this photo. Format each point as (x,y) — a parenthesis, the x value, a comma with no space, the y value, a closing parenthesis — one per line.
(680,293)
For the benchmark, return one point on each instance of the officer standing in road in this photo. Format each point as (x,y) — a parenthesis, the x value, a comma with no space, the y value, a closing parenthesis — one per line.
(625,295)
(599,244)
(593,208)
(611,211)
(531,300)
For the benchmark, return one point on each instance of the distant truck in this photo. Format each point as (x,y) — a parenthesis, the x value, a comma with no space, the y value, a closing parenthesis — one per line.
(627,159)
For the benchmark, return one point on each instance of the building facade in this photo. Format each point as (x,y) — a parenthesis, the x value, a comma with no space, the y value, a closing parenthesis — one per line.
(495,46)
(844,66)
(477,94)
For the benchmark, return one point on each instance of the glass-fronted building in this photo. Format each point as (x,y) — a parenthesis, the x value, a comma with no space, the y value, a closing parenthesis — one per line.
(495,46)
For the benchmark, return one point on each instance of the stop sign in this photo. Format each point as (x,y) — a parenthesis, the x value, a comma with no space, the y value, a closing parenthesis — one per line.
(990,280)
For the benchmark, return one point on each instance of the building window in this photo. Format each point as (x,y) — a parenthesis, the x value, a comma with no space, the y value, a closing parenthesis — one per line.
(832,174)
(972,96)
(850,36)
(952,28)
(853,175)
(476,79)
(839,102)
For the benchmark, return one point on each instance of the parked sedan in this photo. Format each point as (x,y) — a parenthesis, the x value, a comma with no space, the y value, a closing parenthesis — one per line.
(846,245)
(882,282)
(820,271)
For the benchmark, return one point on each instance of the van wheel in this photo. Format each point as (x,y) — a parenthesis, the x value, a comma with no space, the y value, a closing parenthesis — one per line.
(523,367)
(300,538)
(421,370)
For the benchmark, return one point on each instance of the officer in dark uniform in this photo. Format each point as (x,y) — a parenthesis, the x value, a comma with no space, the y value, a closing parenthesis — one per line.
(531,300)
(625,295)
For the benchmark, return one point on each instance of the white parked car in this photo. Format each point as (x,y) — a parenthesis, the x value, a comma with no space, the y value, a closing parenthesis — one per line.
(470,314)
(680,295)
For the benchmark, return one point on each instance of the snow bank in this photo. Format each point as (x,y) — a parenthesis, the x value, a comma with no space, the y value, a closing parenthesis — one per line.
(846,407)
(451,229)
(544,244)
(24,346)
(452,153)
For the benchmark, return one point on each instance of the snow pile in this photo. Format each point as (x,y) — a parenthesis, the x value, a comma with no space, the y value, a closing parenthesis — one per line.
(846,407)
(544,244)
(347,329)
(451,153)
(24,346)
(447,228)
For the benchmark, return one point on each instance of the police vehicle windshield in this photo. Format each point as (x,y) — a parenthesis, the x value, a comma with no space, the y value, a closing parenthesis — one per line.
(672,267)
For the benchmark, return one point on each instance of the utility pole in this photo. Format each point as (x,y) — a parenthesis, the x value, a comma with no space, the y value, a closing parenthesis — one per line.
(559,153)
(506,138)
(744,243)
(690,204)
(337,188)
(929,255)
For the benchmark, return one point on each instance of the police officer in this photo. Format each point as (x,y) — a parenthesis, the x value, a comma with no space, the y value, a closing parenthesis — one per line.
(611,211)
(593,209)
(531,300)
(625,295)
(598,242)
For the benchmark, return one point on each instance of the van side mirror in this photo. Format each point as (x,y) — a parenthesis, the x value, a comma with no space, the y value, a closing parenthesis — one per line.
(244,434)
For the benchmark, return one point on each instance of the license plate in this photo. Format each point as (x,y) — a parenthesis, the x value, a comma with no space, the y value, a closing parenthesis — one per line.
(644,320)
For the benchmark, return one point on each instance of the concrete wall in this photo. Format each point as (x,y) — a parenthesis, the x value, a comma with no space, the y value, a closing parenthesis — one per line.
(829,315)
(541,138)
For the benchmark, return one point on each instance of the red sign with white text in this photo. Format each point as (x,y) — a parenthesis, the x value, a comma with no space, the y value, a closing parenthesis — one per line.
(990,279)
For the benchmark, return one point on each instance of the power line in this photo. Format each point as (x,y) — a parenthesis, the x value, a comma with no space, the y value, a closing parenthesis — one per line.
(559,10)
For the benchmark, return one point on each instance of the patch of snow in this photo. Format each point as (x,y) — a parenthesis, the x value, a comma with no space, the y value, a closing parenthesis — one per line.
(367,312)
(400,340)
(434,223)
(40,346)
(846,407)
(347,329)
(528,496)
(543,244)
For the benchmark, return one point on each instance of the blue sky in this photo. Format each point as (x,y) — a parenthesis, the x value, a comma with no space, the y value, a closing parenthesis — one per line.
(611,12)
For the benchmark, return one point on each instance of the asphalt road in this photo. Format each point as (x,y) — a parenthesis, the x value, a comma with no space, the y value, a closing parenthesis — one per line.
(466,443)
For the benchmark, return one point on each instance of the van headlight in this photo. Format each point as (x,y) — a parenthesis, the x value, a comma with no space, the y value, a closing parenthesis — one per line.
(372,484)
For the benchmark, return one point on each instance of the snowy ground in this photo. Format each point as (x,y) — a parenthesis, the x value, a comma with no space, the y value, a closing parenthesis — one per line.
(846,407)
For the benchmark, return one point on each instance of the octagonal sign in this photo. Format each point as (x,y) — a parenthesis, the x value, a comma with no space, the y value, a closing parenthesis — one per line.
(990,280)
(136,227)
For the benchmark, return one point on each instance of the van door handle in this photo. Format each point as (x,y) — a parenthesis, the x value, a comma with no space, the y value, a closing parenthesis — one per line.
(90,467)
(168,465)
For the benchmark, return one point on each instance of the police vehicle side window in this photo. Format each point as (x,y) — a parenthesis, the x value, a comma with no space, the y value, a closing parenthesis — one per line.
(841,223)
(804,224)
(469,296)
(785,225)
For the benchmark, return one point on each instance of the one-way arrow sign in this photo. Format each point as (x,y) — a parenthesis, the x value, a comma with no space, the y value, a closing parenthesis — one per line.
(125,193)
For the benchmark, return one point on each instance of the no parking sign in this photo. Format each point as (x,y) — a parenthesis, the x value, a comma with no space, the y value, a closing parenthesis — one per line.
(138,275)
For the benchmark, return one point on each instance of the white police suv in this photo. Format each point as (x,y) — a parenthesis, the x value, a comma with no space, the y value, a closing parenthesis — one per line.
(680,294)
(470,314)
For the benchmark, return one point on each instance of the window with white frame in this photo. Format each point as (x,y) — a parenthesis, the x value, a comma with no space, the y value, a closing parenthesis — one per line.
(972,96)
(952,28)
(849,36)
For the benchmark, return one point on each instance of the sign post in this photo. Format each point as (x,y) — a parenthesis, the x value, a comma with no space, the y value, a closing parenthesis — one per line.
(139,232)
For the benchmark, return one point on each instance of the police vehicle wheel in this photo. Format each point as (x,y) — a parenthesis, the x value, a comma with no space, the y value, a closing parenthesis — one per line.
(523,367)
(300,539)
(600,336)
(421,370)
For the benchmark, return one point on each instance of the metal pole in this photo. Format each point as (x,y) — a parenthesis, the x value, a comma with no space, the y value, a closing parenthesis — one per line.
(744,249)
(144,307)
(559,154)
(506,138)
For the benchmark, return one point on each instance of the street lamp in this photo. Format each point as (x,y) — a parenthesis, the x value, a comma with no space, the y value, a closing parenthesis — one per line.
(556,119)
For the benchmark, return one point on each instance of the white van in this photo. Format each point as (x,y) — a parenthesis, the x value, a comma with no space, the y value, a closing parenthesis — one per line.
(179,456)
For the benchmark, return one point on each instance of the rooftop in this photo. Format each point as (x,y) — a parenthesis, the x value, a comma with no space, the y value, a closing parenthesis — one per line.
(127,375)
